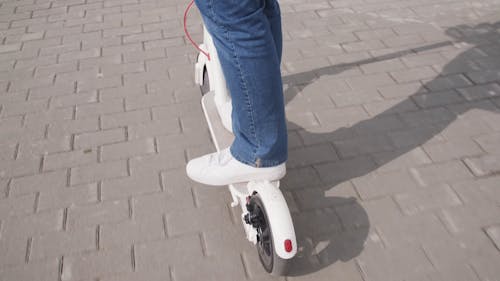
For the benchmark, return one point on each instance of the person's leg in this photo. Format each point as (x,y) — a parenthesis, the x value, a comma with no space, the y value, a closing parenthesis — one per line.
(273,14)
(250,59)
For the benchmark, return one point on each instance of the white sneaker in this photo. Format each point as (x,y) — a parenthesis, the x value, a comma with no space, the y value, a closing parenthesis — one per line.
(221,168)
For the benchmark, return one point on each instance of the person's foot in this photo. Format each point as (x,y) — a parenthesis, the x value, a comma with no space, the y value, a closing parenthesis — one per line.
(221,168)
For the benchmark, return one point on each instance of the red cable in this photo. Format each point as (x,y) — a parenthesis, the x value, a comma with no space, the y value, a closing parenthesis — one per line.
(187,33)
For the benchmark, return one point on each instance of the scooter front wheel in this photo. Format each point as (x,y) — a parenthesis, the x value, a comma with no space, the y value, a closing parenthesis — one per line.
(268,257)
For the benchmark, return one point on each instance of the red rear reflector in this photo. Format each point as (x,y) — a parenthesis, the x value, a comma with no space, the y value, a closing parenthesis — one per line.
(288,245)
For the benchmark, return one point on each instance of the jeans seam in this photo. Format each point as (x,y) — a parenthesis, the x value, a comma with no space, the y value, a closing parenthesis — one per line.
(245,91)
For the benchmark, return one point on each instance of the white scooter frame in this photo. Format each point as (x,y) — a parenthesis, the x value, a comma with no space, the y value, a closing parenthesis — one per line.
(265,197)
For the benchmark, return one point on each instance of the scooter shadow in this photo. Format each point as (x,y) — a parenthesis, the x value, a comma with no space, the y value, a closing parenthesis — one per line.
(331,229)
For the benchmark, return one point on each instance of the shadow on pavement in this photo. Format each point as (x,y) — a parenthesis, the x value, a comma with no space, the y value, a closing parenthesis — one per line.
(336,228)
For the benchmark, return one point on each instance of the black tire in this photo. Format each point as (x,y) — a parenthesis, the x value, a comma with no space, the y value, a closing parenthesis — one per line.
(271,262)
(205,88)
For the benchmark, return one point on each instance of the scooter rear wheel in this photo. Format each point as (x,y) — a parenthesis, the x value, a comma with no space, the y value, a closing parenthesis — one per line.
(271,262)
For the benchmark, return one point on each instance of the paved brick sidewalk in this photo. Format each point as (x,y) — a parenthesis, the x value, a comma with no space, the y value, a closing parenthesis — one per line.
(394,129)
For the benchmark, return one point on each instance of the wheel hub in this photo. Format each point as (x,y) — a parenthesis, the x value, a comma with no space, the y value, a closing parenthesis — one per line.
(257,218)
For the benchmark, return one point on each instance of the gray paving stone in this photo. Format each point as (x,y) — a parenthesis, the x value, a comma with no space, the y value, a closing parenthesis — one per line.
(362,46)
(55,244)
(410,138)
(147,101)
(110,70)
(34,224)
(100,213)
(156,274)
(194,219)
(339,171)
(125,118)
(96,264)
(175,198)
(483,165)
(480,77)
(165,160)
(142,37)
(459,220)
(308,101)
(74,99)
(423,59)
(390,106)
(437,99)
(317,222)
(94,139)
(148,77)
(311,155)
(127,149)
(68,127)
(369,81)
(481,91)
(339,117)
(300,178)
(447,82)
(53,90)
(378,125)
(204,197)
(123,188)
(99,83)
(17,206)
(356,97)
(121,92)
(363,145)
(309,199)
(479,191)
(394,263)
(44,270)
(41,61)
(437,173)
(59,117)
(144,55)
(465,127)
(232,237)
(131,232)
(458,271)
(225,267)
(428,117)
(55,198)
(114,58)
(150,255)
(21,167)
(13,251)
(69,159)
(414,74)
(24,107)
(379,185)
(183,140)
(401,90)
(455,149)
(96,172)
(423,200)
(34,183)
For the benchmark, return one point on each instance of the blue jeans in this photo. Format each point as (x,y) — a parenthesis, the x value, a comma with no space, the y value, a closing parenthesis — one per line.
(248,39)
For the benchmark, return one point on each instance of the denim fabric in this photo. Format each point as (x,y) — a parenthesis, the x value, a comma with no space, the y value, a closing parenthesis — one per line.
(248,39)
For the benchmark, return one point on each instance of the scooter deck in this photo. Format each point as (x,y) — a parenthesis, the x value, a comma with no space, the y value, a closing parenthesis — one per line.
(220,136)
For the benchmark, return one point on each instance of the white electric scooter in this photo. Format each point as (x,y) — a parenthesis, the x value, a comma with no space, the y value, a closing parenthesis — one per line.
(265,214)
